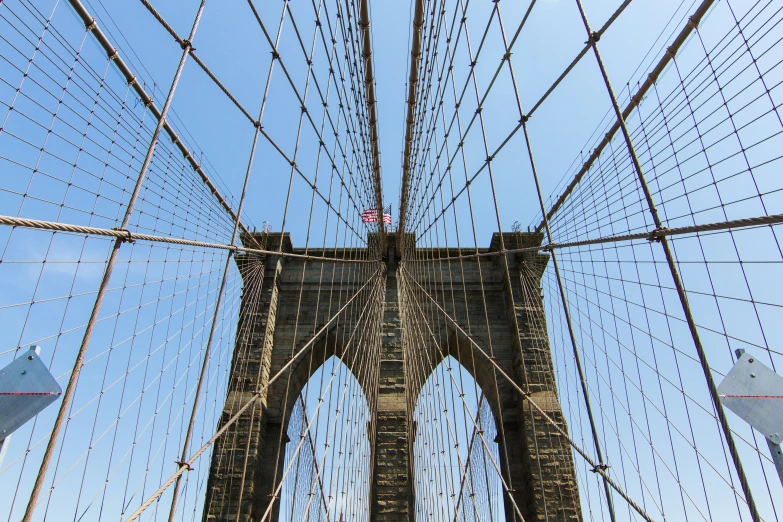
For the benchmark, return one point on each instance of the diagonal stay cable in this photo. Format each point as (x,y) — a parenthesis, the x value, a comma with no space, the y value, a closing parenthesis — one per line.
(321,401)
(79,361)
(148,102)
(615,15)
(318,477)
(477,348)
(187,465)
(636,99)
(506,486)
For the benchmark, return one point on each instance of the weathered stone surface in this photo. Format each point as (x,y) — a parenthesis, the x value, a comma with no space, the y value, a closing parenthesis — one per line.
(498,297)
(391,492)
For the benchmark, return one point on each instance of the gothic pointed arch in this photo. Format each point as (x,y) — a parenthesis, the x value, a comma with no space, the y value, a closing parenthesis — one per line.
(325,468)
(457,463)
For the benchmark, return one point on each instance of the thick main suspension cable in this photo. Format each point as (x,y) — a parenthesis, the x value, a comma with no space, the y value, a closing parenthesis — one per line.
(187,465)
(148,102)
(636,99)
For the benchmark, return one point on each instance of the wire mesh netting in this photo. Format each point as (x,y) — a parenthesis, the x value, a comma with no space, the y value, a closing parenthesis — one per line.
(326,365)
(137,315)
(662,239)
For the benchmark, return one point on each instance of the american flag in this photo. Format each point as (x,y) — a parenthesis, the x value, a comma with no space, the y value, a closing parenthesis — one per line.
(371,215)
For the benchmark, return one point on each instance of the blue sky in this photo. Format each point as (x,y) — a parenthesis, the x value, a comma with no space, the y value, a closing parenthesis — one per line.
(157,316)
(551,40)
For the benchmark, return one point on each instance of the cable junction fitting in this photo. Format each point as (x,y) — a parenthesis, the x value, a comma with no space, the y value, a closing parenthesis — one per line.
(129,238)
(185,465)
(658,234)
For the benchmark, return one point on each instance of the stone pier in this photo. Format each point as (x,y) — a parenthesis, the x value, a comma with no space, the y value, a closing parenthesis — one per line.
(535,460)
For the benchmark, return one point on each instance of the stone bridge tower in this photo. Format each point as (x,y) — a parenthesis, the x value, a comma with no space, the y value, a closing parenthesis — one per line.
(247,459)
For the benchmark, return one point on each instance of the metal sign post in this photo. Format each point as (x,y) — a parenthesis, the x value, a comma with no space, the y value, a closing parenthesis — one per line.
(755,393)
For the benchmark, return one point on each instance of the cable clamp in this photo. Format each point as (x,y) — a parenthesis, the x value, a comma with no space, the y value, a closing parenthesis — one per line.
(129,237)
(658,234)
(186,45)
(183,465)
(600,467)
(594,38)
(92,25)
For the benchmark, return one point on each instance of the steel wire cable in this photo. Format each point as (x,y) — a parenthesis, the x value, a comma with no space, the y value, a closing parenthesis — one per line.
(253,361)
(625,313)
(173,203)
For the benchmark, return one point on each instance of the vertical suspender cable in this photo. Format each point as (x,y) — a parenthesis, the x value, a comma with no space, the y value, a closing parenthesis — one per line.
(713,390)
(78,363)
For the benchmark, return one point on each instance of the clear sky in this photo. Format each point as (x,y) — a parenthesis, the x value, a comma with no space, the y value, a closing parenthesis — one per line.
(552,38)
(157,316)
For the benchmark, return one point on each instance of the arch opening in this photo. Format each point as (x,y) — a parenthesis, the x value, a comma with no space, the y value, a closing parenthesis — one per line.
(326,468)
(456,456)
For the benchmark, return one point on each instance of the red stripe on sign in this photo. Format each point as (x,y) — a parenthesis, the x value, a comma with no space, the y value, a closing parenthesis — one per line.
(753,396)
(29,393)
